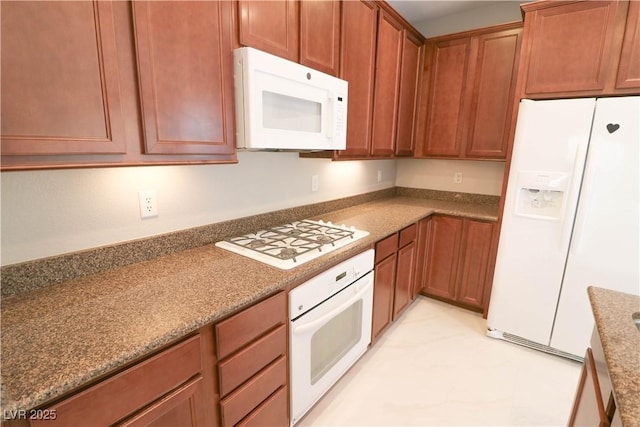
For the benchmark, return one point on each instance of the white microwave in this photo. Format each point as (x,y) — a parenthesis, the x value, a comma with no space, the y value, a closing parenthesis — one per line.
(281,105)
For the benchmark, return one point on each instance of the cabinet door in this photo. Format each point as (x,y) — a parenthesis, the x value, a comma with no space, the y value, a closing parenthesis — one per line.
(444,250)
(357,66)
(183,407)
(271,26)
(386,90)
(186,76)
(588,407)
(405,276)
(320,35)
(629,67)
(474,262)
(570,50)
(424,233)
(447,102)
(60,87)
(383,288)
(412,52)
(493,89)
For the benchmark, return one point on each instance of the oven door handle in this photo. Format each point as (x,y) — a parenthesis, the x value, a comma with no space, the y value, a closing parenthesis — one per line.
(302,329)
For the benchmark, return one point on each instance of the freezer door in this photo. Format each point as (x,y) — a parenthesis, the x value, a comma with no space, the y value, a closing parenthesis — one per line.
(604,248)
(551,140)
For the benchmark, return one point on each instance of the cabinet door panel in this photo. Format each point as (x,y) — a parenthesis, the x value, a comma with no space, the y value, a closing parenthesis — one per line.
(474,262)
(271,26)
(412,52)
(446,97)
(385,106)
(629,68)
(405,276)
(444,249)
(183,407)
(60,87)
(570,48)
(383,288)
(424,233)
(357,66)
(184,61)
(320,35)
(493,94)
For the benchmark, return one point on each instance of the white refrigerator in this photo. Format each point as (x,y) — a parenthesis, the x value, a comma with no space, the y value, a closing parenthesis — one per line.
(570,220)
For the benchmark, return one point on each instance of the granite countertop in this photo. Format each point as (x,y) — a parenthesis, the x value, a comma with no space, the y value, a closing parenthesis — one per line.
(621,345)
(58,338)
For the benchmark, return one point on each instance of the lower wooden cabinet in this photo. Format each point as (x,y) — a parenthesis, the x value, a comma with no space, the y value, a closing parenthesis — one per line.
(166,389)
(457,261)
(251,349)
(394,277)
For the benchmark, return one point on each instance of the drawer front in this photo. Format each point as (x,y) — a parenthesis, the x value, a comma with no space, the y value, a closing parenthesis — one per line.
(241,366)
(244,400)
(239,330)
(122,394)
(386,247)
(272,413)
(408,235)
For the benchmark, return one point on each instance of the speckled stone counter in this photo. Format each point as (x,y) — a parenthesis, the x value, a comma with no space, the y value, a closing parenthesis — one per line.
(621,344)
(58,338)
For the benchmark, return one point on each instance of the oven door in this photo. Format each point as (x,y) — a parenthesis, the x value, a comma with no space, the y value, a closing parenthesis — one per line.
(326,341)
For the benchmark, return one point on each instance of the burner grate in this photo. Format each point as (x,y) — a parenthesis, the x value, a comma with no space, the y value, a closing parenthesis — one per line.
(289,241)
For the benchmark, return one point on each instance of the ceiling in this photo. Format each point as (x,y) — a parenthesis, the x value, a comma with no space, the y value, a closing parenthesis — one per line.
(422,10)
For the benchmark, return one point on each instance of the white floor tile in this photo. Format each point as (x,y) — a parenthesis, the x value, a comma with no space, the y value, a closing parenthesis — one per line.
(436,367)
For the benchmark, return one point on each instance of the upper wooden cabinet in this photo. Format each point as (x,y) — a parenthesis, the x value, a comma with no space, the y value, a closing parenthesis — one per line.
(320,35)
(380,58)
(304,31)
(357,66)
(584,48)
(60,87)
(186,76)
(271,26)
(469,85)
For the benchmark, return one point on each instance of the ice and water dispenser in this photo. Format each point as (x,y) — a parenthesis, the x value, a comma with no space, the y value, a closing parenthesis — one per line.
(541,195)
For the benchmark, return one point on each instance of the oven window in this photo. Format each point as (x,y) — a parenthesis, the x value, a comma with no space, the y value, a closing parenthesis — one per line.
(289,113)
(331,342)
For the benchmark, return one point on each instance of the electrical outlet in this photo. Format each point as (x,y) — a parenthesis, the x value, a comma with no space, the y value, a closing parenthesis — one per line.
(148,204)
(457,178)
(314,183)
(379,176)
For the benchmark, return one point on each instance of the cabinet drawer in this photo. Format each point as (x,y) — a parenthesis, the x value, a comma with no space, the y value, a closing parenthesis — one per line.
(248,362)
(241,402)
(244,327)
(122,394)
(273,412)
(408,235)
(386,247)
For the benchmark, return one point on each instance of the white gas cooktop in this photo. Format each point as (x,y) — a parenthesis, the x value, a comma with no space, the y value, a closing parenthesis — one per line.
(289,245)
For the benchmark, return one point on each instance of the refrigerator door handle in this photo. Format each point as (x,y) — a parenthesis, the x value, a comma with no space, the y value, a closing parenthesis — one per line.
(567,225)
(585,203)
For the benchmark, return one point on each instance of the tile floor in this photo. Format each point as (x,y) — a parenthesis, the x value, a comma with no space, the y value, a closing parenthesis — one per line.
(436,367)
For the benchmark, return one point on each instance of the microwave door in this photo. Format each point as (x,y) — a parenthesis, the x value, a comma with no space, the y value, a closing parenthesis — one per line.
(291,114)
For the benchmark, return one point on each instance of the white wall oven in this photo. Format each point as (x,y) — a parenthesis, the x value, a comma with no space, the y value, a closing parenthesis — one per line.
(330,328)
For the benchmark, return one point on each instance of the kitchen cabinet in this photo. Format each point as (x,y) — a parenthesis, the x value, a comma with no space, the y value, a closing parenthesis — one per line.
(589,408)
(469,85)
(424,234)
(579,49)
(60,87)
(171,388)
(251,351)
(386,89)
(304,31)
(88,84)
(186,76)
(320,35)
(457,260)
(271,26)
(394,275)
(380,58)
(410,80)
